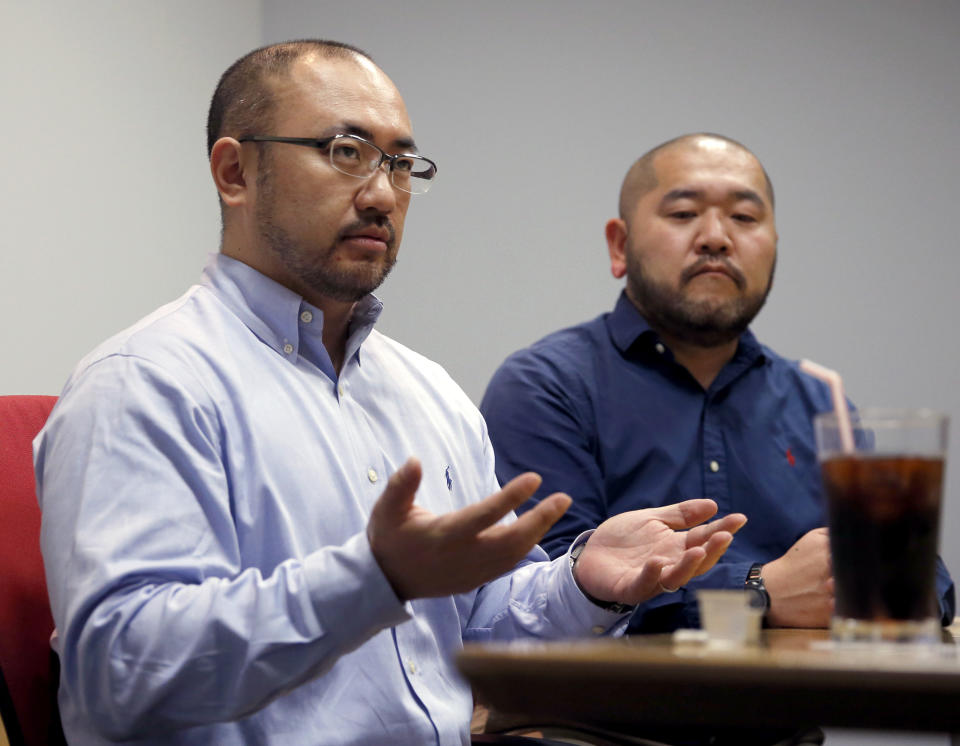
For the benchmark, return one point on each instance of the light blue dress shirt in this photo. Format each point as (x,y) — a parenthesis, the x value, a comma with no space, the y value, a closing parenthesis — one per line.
(206,480)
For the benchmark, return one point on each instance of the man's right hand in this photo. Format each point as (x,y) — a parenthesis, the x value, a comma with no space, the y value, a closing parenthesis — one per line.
(425,555)
(800,583)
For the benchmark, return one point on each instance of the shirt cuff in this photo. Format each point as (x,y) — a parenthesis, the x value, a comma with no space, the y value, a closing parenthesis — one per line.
(611,611)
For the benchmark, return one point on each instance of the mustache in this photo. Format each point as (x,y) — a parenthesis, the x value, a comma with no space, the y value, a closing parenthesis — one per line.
(712,262)
(382,222)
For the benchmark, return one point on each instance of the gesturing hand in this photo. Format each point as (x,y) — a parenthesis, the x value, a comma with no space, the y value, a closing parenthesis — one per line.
(425,555)
(633,556)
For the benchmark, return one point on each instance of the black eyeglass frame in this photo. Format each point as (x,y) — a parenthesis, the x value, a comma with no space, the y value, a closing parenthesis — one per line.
(323,142)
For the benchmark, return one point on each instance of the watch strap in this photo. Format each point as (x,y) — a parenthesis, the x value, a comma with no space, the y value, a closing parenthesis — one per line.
(754,583)
(611,606)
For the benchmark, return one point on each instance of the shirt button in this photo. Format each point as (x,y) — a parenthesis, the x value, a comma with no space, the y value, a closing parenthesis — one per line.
(372,474)
(288,349)
(340,389)
(306,317)
(411,667)
(659,347)
(597,630)
(714,466)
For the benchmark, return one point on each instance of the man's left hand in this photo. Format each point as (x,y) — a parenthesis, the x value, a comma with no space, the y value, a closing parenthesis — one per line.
(633,556)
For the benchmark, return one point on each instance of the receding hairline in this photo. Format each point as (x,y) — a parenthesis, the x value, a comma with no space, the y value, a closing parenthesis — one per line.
(245,92)
(641,177)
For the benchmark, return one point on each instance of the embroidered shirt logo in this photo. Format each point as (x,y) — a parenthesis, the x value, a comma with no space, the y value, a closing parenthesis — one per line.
(449,479)
(790,459)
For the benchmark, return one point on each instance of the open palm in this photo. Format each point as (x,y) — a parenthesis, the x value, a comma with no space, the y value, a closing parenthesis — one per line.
(633,556)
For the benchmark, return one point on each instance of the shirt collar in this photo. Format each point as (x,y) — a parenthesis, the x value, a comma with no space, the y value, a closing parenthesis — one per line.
(626,326)
(276,314)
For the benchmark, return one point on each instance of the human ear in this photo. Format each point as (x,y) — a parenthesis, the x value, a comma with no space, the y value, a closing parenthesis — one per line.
(228,168)
(616,233)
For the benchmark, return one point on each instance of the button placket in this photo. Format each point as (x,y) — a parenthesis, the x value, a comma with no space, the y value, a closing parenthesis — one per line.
(715,482)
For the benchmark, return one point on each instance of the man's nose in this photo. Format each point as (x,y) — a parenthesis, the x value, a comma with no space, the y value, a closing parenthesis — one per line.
(713,237)
(377,192)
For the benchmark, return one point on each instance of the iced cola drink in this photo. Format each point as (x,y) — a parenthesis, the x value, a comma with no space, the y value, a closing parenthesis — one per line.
(883,503)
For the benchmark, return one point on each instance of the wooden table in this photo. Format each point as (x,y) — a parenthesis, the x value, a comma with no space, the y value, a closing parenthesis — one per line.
(795,678)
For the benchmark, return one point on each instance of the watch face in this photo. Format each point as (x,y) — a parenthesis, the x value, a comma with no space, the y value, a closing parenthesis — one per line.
(758,598)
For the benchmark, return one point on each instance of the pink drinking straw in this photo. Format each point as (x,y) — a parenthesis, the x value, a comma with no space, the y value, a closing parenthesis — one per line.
(835,382)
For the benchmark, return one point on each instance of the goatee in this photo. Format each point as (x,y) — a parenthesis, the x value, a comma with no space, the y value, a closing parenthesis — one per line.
(704,323)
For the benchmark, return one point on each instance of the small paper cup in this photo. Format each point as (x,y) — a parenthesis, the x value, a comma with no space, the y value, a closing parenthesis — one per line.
(728,618)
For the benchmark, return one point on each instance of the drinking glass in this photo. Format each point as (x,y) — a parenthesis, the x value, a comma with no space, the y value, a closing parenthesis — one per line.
(884,481)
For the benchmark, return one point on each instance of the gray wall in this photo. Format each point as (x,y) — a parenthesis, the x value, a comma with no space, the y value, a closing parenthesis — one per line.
(534,110)
(106,205)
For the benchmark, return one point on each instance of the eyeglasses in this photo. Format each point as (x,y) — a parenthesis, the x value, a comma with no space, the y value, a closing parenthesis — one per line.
(354,156)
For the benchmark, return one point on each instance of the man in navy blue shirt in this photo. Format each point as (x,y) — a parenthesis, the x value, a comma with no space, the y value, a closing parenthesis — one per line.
(671,396)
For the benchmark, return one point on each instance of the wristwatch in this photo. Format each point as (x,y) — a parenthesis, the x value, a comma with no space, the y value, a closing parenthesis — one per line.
(612,606)
(759,598)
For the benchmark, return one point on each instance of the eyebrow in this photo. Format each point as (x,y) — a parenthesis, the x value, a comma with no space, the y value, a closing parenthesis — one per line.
(741,194)
(405,144)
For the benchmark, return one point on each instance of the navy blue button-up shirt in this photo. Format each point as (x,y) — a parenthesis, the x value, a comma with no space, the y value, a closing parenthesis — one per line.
(604,413)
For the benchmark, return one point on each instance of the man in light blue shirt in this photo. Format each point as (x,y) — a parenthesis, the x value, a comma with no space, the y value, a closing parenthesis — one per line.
(239,547)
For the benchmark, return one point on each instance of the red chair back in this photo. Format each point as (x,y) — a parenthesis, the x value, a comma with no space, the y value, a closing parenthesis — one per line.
(25,620)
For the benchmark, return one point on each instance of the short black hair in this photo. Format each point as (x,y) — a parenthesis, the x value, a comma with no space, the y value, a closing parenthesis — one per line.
(243,100)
